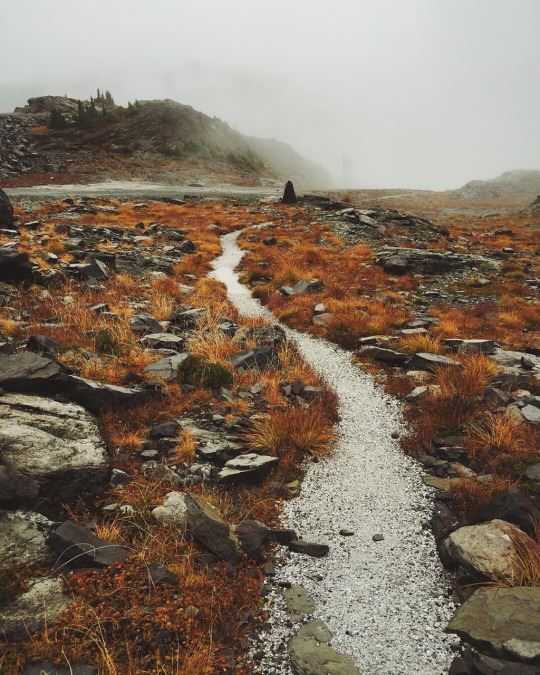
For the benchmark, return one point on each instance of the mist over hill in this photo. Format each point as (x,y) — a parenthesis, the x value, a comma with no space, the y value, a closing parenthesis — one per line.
(519,184)
(158,140)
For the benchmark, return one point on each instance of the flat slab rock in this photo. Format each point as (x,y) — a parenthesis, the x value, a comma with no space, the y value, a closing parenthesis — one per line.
(78,546)
(40,605)
(311,654)
(56,447)
(494,618)
(433,262)
(248,467)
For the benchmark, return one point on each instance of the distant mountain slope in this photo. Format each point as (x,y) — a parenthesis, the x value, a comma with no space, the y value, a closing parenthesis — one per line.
(149,140)
(517,185)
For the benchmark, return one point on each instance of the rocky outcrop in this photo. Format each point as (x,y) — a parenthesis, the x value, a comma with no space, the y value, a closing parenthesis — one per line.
(50,448)
(412,260)
(23,539)
(289,195)
(512,506)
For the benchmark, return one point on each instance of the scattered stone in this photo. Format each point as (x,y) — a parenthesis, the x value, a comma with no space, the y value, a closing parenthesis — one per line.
(259,358)
(79,547)
(305,286)
(173,511)
(163,341)
(159,575)
(311,654)
(532,472)
(97,396)
(385,355)
(378,537)
(166,369)
(431,262)
(311,549)
(248,467)
(185,317)
(145,324)
(208,528)
(474,346)
(531,414)
(430,362)
(346,533)
(298,602)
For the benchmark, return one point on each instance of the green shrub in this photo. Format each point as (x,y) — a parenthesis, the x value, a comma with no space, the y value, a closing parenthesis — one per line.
(200,373)
(106,343)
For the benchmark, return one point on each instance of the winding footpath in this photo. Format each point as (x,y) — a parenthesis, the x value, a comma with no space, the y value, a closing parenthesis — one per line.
(386,602)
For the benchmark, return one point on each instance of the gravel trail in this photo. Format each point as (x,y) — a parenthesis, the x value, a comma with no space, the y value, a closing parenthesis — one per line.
(386,602)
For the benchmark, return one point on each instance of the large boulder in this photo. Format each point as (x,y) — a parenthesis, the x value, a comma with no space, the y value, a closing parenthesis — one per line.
(494,617)
(311,653)
(55,447)
(6,211)
(487,549)
(514,507)
(15,268)
(39,606)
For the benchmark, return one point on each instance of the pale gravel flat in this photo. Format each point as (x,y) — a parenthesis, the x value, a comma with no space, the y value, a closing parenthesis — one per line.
(386,602)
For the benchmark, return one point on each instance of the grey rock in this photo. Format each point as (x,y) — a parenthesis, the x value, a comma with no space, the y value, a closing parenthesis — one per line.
(304,286)
(27,371)
(188,317)
(297,602)
(163,430)
(56,445)
(426,361)
(289,195)
(486,549)
(532,472)
(311,654)
(208,528)
(531,414)
(434,262)
(166,369)
(23,539)
(41,344)
(474,346)
(493,616)
(77,546)
(145,324)
(97,396)
(312,549)
(248,467)
(163,341)
(259,358)
(173,510)
(385,355)
(39,606)
(159,575)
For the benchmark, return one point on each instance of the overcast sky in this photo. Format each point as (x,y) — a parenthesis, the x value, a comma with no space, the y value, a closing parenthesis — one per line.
(417,93)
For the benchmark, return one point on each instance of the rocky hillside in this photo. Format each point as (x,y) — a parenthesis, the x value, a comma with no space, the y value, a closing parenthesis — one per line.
(150,140)
(517,185)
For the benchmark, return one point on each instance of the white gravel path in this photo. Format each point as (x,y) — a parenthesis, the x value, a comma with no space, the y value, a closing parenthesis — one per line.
(386,602)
